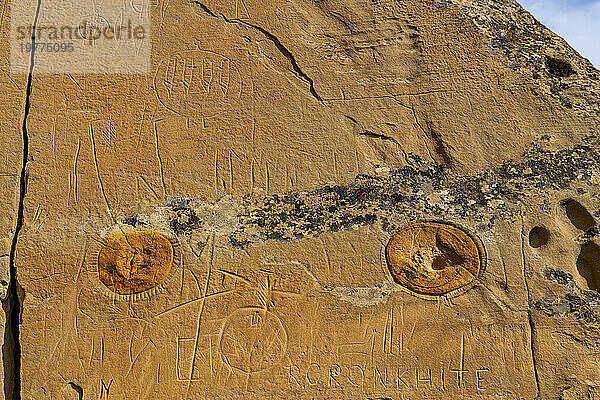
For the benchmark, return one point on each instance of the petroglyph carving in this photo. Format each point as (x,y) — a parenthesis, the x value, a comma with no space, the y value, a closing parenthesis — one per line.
(434,259)
(198,83)
(130,263)
(218,228)
(253,339)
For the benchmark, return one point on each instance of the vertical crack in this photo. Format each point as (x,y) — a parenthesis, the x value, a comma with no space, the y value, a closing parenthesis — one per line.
(529,316)
(11,354)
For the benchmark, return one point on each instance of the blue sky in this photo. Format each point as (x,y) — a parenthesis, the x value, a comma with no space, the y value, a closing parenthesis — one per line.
(577,21)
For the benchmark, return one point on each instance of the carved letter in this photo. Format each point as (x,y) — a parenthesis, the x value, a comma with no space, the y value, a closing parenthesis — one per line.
(479,378)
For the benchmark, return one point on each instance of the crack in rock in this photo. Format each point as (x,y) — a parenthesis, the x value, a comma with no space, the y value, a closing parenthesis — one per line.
(275,40)
(11,350)
(78,389)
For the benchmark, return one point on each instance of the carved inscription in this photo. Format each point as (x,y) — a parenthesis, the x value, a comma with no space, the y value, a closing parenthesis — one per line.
(199,84)
(377,377)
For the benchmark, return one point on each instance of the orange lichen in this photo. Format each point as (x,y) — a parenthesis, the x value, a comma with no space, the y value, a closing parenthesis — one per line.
(134,262)
(434,259)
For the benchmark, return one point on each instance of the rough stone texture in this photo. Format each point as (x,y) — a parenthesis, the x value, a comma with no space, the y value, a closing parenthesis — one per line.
(339,123)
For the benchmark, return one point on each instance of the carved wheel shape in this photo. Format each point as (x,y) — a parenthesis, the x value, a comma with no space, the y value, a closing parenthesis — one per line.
(253,339)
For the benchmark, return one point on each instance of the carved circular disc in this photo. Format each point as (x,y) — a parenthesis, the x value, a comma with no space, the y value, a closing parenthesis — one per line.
(434,259)
(135,262)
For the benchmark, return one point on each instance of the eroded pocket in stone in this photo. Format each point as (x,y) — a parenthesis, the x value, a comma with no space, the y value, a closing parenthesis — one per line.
(588,264)
(538,236)
(558,67)
(578,215)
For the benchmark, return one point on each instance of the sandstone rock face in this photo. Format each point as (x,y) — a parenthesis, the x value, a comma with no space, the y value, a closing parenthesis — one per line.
(312,199)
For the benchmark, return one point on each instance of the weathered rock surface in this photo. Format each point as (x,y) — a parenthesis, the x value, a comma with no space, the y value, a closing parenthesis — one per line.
(218,228)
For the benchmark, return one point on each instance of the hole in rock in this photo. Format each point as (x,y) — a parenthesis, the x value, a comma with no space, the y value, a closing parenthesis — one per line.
(588,264)
(538,237)
(445,256)
(559,67)
(578,215)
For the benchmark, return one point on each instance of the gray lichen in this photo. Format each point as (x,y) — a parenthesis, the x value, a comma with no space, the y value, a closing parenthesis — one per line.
(414,191)
(581,304)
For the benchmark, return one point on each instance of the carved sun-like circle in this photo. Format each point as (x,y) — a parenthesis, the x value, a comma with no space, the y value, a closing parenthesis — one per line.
(434,259)
(131,263)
